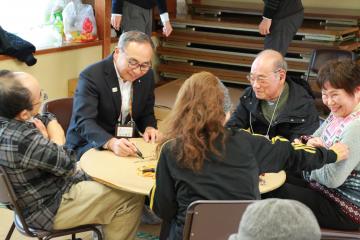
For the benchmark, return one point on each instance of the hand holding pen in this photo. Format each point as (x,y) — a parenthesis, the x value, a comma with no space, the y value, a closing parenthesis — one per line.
(138,152)
(122,147)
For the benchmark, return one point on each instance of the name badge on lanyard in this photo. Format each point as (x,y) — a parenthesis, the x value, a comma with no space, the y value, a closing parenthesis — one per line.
(125,130)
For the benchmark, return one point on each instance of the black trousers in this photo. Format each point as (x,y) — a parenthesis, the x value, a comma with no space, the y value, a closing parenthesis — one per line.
(282,32)
(327,212)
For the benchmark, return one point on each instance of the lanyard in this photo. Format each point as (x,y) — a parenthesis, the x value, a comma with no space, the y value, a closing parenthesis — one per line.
(130,107)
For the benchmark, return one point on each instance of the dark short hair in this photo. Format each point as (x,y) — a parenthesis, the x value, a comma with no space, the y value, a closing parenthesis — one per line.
(341,74)
(134,36)
(14,97)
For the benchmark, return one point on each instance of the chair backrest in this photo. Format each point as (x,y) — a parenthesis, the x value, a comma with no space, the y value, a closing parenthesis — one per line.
(62,108)
(8,197)
(330,234)
(321,56)
(214,219)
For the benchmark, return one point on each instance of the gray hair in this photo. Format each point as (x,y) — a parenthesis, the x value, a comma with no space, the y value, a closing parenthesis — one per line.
(277,58)
(281,64)
(133,36)
(279,219)
(227,100)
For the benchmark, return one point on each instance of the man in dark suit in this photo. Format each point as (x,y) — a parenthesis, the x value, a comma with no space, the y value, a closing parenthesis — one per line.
(115,92)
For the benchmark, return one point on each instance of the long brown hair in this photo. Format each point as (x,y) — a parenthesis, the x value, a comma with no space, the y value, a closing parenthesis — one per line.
(196,120)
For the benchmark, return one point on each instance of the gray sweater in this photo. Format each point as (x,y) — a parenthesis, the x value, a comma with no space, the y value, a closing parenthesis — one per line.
(338,175)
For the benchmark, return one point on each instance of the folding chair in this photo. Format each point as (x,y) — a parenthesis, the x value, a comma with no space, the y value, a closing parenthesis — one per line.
(62,108)
(8,197)
(321,56)
(330,234)
(213,219)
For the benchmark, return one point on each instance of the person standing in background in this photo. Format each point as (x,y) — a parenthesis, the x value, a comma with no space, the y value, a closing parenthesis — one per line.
(137,15)
(281,21)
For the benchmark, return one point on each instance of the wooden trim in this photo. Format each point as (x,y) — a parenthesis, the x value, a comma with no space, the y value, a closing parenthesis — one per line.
(65,47)
(186,70)
(257,9)
(103,15)
(229,58)
(184,37)
(250,24)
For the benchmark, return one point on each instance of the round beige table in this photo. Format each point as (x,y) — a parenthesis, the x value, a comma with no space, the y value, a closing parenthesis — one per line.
(121,172)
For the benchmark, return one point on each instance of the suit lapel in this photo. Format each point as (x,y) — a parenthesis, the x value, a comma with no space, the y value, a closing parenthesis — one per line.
(136,96)
(112,83)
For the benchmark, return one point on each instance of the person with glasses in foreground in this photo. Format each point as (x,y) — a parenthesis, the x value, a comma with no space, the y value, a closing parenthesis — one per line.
(275,104)
(51,192)
(114,99)
(200,159)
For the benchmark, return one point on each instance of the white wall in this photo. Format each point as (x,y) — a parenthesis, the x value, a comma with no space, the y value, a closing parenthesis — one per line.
(53,70)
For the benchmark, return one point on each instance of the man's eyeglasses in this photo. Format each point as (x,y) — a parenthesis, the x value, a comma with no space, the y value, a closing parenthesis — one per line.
(134,64)
(43,97)
(261,80)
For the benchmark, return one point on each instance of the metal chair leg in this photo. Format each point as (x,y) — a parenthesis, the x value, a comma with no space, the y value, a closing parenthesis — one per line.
(11,230)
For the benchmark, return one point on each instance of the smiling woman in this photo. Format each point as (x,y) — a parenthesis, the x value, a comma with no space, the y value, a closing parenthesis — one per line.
(332,192)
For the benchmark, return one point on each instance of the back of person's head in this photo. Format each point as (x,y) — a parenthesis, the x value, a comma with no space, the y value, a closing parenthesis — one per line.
(341,74)
(133,36)
(14,96)
(197,118)
(277,219)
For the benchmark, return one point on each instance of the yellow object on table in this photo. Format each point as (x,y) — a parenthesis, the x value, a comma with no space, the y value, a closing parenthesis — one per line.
(121,172)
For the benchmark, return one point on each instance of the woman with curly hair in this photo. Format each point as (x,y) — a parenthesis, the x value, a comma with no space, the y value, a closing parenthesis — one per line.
(201,159)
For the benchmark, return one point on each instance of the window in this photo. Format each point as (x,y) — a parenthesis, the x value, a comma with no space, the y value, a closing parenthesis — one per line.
(30,20)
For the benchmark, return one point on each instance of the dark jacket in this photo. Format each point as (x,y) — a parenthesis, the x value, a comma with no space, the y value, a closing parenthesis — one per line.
(17,47)
(233,177)
(277,9)
(299,116)
(97,105)
(117,5)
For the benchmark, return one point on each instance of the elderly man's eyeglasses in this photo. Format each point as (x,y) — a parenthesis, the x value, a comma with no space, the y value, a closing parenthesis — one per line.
(260,79)
(134,64)
(43,97)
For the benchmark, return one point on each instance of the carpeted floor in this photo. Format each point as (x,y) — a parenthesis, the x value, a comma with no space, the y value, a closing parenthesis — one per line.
(146,236)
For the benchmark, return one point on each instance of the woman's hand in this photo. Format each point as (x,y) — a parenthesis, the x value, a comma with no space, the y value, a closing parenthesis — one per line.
(315,142)
(341,150)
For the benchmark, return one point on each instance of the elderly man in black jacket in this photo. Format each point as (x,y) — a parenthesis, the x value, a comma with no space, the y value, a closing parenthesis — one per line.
(274,104)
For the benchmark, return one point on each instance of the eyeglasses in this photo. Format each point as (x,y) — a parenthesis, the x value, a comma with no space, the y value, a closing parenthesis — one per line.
(43,97)
(261,80)
(134,64)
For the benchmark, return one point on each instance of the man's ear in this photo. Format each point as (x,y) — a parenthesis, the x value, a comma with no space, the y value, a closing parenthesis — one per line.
(282,75)
(24,115)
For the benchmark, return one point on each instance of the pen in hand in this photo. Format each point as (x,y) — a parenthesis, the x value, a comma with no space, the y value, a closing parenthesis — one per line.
(138,152)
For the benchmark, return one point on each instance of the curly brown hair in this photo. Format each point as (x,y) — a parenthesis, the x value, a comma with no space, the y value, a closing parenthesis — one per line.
(196,121)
